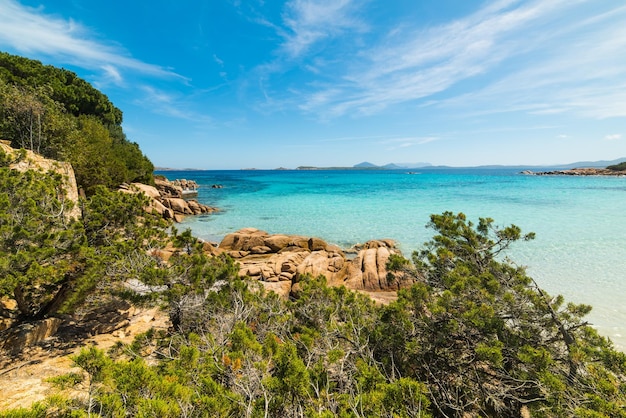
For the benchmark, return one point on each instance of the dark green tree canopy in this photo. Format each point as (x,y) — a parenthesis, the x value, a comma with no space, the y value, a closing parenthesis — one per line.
(618,167)
(54,113)
(78,96)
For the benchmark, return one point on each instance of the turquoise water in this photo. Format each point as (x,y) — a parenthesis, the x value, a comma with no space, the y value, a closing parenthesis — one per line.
(580,249)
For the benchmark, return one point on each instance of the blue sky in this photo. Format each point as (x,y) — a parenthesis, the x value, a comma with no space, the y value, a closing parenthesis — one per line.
(228,84)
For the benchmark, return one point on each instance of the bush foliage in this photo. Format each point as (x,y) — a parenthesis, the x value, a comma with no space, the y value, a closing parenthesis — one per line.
(474,336)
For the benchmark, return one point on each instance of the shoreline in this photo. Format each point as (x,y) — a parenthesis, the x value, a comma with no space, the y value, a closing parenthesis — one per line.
(600,172)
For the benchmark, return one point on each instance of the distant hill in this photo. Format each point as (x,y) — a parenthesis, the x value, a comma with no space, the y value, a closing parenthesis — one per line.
(365,164)
(594,164)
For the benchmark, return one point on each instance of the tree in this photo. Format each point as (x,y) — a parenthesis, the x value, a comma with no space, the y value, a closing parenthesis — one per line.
(486,339)
(79,97)
(40,247)
(618,167)
(50,261)
(53,112)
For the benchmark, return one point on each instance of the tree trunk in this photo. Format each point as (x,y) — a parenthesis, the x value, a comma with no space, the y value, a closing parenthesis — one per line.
(57,301)
(22,305)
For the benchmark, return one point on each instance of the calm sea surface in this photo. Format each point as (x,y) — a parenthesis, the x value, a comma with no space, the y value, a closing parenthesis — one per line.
(580,249)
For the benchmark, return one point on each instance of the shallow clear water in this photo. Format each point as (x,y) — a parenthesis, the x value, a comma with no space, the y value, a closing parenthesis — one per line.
(580,249)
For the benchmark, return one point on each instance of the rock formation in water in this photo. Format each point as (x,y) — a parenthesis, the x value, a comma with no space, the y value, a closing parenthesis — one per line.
(577,172)
(167,198)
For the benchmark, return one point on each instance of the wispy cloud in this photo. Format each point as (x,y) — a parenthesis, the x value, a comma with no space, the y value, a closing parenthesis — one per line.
(31,31)
(541,57)
(414,64)
(170,105)
(311,21)
(406,142)
(613,137)
(573,68)
(112,75)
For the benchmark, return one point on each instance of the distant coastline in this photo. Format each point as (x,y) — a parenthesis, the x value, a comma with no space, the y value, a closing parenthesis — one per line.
(578,172)
(552,169)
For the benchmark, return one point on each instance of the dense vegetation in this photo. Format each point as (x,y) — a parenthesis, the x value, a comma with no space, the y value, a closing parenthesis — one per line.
(49,261)
(55,113)
(473,335)
(618,167)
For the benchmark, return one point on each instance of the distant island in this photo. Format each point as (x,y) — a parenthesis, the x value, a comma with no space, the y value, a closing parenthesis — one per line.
(609,165)
(369,166)
(428,166)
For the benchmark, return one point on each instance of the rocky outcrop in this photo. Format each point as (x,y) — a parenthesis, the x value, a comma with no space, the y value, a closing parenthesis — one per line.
(176,188)
(279,262)
(167,199)
(33,161)
(368,270)
(578,172)
(15,339)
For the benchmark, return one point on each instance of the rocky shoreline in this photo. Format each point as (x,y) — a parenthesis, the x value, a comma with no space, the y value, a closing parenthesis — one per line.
(577,172)
(171,198)
(279,262)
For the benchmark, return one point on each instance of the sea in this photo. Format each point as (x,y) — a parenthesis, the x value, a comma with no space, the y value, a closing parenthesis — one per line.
(580,222)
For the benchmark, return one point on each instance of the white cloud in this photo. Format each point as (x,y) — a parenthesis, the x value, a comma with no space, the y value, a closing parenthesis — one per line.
(170,105)
(410,64)
(31,31)
(311,21)
(539,57)
(112,75)
(218,61)
(575,68)
(613,137)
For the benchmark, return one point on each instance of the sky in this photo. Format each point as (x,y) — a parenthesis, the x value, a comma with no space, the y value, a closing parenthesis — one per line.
(229,84)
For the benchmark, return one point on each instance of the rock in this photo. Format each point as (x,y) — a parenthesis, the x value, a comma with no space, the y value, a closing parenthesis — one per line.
(178,205)
(211,248)
(243,240)
(251,271)
(149,191)
(237,254)
(277,242)
(316,244)
(168,189)
(281,288)
(579,172)
(368,271)
(27,334)
(287,258)
(260,249)
(160,208)
(318,262)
